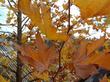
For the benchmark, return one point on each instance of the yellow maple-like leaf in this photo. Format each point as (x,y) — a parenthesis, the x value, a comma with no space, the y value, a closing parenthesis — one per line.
(91,8)
(3,80)
(41,17)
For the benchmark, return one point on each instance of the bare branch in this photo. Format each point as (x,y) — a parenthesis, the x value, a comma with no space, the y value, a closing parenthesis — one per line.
(27,74)
(24,19)
(11,7)
(25,22)
(14,2)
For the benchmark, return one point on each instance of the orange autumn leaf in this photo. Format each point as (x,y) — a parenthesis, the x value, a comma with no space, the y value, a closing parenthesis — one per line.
(84,57)
(82,48)
(91,8)
(83,70)
(40,57)
(41,17)
(90,58)
(95,45)
(102,61)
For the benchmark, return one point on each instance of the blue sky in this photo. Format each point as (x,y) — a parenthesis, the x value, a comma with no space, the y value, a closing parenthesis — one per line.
(3,13)
(3,17)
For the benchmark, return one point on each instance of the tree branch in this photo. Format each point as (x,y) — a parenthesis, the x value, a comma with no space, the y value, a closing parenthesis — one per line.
(24,19)
(11,7)
(14,2)
(69,27)
(25,22)
(27,74)
(69,16)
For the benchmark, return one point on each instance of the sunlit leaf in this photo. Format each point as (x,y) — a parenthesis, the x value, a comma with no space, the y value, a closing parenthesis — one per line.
(41,19)
(90,8)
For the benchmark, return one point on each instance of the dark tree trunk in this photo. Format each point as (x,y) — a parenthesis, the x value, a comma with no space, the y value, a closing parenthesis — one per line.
(19,37)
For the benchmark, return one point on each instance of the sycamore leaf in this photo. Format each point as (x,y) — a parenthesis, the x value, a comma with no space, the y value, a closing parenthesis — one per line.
(3,80)
(89,59)
(38,56)
(82,48)
(90,8)
(84,54)
(95,45)
(41,17)
(102,61)
(84,57)
(82,70)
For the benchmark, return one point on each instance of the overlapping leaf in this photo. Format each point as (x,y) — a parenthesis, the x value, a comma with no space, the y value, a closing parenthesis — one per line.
(91,8)
(82,70)
(38,56)
(100,60)
(85,53)
(95,45)
(41,17)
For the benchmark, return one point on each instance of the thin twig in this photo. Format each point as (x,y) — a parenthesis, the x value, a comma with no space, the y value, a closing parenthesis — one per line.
(69,16)
(24,19)
(27,74)
(69,27)
(11,7)
(25,23)
(14,2)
